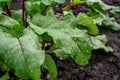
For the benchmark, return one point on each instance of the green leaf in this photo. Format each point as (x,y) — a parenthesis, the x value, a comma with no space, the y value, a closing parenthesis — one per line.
(5,77)
(59,1)
(115,10)
(49,22)
(0,11)
(32,7)
(3,2)
(46,37)
(98,42)
(24,54)
(50,66)
(99,12)
(98,4)
(17,15)
(48,2)
(3,66)
(69,18)
(76,2)
(39,6)
(11,26)
(103,19)
(85,21)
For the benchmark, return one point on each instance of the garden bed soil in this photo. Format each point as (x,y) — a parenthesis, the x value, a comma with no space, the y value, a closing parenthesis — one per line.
(102,66)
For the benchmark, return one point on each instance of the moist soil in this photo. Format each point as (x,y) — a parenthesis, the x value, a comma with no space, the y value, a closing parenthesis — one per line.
(102,66)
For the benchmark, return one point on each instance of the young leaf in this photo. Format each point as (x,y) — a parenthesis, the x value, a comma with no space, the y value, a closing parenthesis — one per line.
(50,65)
(86,21)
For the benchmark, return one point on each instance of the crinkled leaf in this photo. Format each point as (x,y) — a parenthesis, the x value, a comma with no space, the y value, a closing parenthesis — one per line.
(23,54)
(50,65)
(85,21)
(98,42)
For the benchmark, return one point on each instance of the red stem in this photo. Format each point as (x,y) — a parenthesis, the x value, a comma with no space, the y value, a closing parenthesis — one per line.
(23,11)
(24,14)
(26,23)
(61,10)
(8,11)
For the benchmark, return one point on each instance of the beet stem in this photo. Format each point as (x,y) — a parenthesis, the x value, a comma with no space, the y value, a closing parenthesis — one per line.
(8,11)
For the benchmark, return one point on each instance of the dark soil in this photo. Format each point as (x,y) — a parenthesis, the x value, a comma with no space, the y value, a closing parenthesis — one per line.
(102,66)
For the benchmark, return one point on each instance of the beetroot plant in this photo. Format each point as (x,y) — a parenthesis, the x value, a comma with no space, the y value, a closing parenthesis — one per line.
(30,35)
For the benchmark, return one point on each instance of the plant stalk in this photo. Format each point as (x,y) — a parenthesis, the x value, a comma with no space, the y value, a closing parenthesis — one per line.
(8,11)
(23,10)
(24,14)
(61,10)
